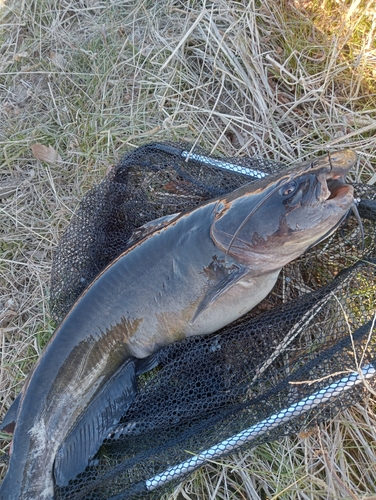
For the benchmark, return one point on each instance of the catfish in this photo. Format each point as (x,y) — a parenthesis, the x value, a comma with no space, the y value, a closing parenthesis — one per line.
(190,274)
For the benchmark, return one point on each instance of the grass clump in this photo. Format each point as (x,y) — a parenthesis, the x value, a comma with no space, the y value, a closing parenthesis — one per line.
(94,78)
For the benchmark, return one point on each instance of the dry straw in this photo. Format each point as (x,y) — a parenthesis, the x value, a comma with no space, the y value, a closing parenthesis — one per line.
(89,79)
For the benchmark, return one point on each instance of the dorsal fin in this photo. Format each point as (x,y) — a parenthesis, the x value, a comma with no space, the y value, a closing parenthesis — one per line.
(150,227)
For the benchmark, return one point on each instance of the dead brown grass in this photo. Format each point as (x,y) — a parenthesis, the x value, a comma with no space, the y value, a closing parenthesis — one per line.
(92,78)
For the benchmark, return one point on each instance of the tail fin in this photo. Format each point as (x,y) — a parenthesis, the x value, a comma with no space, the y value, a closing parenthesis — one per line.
(9,421)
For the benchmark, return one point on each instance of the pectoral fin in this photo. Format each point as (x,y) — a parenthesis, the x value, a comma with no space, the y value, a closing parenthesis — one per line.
(96,424)
(219,289)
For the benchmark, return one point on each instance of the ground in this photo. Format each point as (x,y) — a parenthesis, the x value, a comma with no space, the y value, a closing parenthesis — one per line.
(90,80)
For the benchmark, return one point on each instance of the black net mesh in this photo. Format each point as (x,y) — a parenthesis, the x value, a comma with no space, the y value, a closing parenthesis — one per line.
(257,379)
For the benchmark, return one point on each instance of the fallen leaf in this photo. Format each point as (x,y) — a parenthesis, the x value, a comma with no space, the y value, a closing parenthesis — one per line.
(45,153)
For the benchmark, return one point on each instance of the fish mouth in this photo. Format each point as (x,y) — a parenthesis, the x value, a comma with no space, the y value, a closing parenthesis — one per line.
(339,193)
(336,166)
(338,189)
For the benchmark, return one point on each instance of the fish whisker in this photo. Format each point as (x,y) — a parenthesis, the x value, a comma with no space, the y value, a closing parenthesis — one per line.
(253,211)
(355,211)
(330,162)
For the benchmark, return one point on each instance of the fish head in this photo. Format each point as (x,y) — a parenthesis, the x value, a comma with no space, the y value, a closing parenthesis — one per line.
(268,223)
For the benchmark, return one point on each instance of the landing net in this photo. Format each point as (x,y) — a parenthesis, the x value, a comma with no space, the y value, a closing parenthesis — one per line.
(302,355)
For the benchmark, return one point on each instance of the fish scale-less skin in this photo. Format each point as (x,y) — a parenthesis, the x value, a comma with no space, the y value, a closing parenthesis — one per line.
(128,311)
(181,280)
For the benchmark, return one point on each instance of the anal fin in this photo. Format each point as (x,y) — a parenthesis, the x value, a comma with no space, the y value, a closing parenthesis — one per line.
(147,364)
(102,415)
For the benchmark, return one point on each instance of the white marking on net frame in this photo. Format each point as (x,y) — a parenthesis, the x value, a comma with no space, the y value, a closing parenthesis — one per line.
(224,165)
(234,442)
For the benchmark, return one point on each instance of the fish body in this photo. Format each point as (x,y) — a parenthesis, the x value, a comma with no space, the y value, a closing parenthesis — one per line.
(193,275)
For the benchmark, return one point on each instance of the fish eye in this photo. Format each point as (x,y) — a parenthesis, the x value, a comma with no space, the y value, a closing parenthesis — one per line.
(288,188)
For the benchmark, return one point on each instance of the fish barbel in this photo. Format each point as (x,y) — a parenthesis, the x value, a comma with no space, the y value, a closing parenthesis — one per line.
(192,274)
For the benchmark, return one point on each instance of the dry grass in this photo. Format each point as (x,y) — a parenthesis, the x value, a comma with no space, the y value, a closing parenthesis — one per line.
(93,78)
(333,461)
